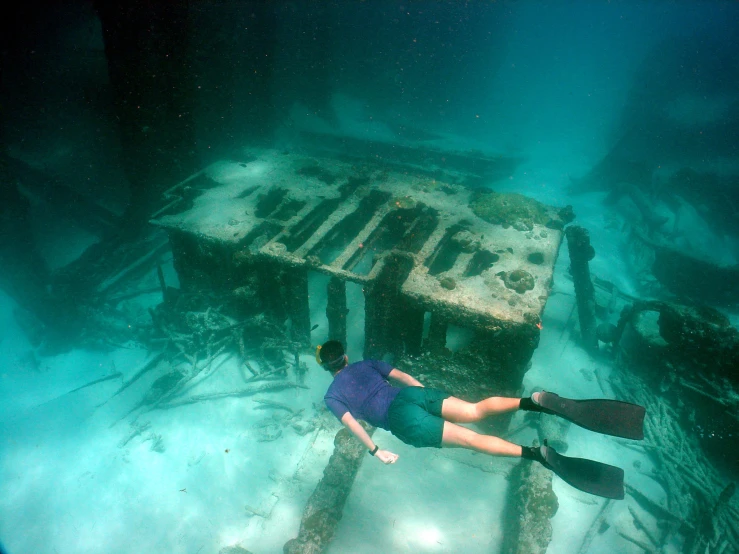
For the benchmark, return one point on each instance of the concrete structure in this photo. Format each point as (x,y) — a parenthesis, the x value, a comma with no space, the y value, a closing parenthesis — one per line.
(420,246)
(428,249)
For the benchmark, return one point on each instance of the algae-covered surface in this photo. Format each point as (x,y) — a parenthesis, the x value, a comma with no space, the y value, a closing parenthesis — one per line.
(510,209)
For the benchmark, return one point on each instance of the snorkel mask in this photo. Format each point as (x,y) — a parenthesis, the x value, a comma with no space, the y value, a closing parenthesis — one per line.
(333,364)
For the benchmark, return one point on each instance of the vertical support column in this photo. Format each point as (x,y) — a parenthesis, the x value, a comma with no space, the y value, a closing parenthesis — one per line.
(271,277)
(383,304)
(336,310)
(437,333)
(509,351)
(412,331)
(374,344)
(298,307)
(499,361)
(581,252)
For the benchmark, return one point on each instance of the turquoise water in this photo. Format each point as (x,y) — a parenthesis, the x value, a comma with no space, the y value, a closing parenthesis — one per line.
(627,111)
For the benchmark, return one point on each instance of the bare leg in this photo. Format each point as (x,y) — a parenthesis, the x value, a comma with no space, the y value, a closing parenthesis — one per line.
(456,436)
(458,411)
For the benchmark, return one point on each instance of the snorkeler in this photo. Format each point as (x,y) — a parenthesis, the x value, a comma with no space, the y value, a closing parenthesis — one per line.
(426,417)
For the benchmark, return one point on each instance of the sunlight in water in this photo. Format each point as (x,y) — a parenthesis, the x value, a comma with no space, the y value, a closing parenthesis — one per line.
(195,195)
(428,537)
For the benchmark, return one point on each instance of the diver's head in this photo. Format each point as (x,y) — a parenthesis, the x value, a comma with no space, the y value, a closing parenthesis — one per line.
(331,356)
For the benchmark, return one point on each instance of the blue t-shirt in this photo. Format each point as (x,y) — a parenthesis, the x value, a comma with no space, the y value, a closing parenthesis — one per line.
(362,390)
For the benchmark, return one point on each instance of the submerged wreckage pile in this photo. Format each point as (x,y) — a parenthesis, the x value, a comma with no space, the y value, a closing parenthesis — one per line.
(410,231)
(405,224)
(418,245)
(193,338)
(680,223)
(680,363)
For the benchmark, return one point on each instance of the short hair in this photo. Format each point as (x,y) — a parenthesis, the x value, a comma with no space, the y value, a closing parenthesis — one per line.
(332,355)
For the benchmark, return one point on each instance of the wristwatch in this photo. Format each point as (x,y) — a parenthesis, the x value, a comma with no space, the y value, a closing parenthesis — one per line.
(374,450)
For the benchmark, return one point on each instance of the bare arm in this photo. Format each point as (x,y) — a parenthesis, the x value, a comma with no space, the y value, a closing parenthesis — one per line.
(385,456)
(404,378)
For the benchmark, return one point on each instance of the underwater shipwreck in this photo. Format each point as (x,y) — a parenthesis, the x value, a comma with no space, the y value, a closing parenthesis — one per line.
(416,239)
(416,244)
(409,227)
(494,199)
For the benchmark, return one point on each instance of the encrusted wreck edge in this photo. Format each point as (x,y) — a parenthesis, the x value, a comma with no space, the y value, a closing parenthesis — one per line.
(326,505)
(532,500)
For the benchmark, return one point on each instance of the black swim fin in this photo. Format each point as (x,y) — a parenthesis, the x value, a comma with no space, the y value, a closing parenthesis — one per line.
(586,475)
(610,417)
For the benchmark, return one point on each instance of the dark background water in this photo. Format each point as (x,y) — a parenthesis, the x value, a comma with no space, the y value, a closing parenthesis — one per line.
(571,75)
(652,84)
(559,84)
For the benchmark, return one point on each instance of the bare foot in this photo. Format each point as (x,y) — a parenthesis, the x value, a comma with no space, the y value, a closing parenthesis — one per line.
(535,397)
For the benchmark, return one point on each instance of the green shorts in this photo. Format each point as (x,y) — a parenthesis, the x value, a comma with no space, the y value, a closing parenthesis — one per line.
(415,416)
